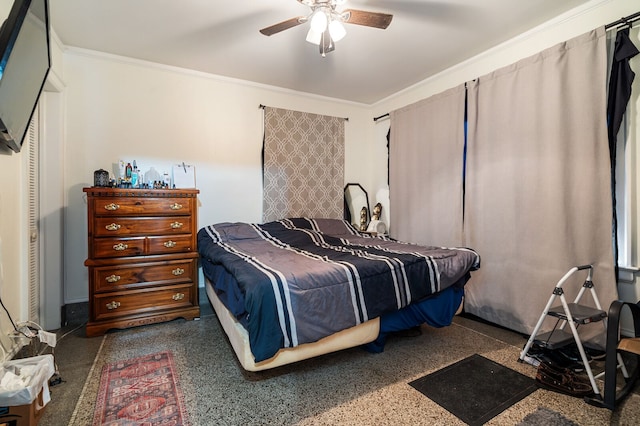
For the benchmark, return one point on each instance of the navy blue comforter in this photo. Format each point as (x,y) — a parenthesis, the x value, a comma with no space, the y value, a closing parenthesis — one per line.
(298,280)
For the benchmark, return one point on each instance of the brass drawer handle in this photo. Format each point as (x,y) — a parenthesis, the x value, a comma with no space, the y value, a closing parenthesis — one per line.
(177,271)
(176,225)
(176,206)
(113,278)
(113,305)
(120,247)
(170,244)
(113,227)
(178,296)
(111,207)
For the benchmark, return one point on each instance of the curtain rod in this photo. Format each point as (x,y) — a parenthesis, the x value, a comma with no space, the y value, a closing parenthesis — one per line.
(627,20)
(264,106)
(381,116)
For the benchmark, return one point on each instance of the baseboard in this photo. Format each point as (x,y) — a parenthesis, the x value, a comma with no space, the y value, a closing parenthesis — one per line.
(12,352)
(75,313)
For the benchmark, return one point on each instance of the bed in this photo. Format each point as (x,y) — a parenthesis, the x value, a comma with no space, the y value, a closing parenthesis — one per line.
(296,288)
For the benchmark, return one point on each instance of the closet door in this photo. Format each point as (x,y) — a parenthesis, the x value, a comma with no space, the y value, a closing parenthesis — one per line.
(33,144)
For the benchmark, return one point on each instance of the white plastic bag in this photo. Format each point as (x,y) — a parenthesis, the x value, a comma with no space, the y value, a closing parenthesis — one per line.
(24,378)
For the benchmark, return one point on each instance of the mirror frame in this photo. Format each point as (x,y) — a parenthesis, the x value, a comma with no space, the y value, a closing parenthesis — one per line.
(348,203)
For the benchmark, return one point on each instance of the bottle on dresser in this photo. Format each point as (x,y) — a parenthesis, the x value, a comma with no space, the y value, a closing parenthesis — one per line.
(135,175)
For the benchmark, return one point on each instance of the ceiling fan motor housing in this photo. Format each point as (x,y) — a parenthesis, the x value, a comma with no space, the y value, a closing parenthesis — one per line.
(326,23)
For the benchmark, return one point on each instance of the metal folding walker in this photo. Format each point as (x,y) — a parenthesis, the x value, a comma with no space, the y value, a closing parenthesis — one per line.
(573,314)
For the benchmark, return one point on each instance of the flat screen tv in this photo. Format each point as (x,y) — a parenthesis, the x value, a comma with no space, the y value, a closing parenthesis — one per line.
(24,64)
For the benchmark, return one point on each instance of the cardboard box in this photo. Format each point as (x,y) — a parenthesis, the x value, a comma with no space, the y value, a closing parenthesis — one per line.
(630,345)
(23,415)
(24,405)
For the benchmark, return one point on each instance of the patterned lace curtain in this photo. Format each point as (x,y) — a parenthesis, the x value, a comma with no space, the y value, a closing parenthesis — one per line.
(303,165)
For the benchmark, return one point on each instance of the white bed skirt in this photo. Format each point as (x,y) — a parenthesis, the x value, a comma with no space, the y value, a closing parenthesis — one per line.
(239,338)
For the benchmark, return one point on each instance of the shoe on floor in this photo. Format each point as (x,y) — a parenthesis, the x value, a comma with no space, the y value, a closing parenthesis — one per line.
(562,380)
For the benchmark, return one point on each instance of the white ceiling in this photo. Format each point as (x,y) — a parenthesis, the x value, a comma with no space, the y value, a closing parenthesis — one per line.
(221,37)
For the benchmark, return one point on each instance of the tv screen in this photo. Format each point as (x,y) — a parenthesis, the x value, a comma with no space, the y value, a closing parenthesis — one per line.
(24,65)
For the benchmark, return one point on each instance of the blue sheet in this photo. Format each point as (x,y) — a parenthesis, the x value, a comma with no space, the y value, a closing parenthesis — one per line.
(436,311)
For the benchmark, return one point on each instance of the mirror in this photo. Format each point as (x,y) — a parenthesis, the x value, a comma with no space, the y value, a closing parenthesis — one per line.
(356,200)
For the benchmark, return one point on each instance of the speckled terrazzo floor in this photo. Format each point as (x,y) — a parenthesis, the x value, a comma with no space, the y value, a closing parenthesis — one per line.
(351,387)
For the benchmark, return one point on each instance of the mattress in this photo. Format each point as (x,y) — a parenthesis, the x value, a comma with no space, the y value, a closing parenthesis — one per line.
(239,338)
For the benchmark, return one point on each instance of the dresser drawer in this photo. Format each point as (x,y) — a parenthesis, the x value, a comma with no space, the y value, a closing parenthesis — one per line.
(136,246)
(118,304)
(170,244)
(122,226)
(134,206)
(118,247)
(114,278)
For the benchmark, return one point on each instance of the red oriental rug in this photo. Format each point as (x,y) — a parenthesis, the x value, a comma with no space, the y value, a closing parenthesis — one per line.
(140,391)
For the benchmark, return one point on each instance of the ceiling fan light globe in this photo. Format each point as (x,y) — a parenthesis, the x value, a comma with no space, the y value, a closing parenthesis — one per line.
(337,30)
(319,21)
(314,37)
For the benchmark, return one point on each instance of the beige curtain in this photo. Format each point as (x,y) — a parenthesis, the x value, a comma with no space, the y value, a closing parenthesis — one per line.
(425,170)
(538,181)
(303,170)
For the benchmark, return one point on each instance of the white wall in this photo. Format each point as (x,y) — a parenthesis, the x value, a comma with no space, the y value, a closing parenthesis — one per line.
(14,220)
(13,249)
(10,256)
(573,23)
(118,108)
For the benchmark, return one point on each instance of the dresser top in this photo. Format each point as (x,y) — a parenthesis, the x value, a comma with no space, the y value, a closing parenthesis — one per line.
(96,191)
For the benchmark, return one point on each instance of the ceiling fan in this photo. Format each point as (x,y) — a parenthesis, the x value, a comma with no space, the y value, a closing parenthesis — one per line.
(326,22)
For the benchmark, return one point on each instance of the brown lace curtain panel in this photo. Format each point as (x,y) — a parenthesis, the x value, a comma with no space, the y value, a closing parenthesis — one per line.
(303,165)
(537,198)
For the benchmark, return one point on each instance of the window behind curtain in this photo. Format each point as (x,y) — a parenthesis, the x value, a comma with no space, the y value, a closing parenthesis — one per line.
(426,170)
(626,185)
(538,181)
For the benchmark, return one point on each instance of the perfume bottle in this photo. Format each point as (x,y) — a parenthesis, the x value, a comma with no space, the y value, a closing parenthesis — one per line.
(135,175)
(122,166)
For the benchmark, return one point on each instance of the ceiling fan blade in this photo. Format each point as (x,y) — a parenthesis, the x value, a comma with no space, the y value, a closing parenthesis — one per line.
(368,19)
(284,25)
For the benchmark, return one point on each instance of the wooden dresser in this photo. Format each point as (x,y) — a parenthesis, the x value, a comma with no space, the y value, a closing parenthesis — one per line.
(142,257)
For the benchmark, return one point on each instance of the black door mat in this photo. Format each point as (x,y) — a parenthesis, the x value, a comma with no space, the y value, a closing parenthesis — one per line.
(475,389)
